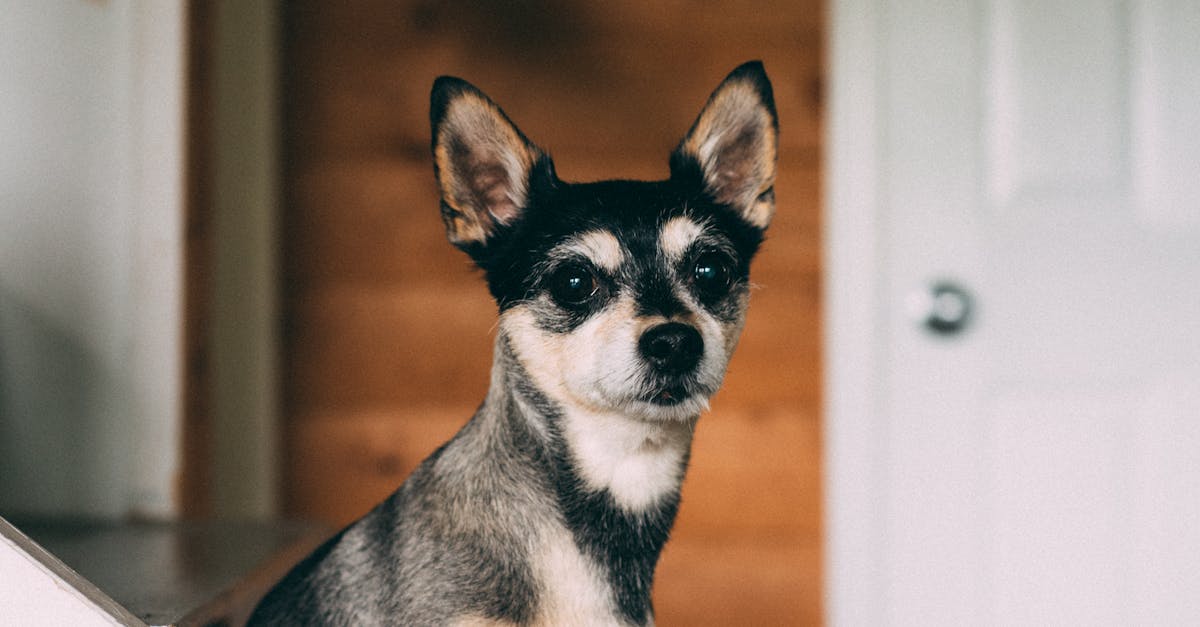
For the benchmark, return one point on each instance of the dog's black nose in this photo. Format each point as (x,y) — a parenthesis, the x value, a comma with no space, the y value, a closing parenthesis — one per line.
(672,348)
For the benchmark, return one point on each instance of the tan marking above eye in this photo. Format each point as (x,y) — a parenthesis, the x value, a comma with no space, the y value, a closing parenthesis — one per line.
(677,236)
(600,247)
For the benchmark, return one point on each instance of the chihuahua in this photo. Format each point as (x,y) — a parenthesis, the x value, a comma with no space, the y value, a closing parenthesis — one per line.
(620,304)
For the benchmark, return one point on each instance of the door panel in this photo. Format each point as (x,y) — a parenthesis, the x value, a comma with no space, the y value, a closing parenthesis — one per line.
(1055,120)
(1165,90)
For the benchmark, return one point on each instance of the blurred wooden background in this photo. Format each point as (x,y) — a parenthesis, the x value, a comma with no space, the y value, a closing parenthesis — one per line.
(388,330)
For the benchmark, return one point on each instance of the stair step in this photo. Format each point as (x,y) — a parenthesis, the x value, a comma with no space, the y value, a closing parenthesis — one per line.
(149,573)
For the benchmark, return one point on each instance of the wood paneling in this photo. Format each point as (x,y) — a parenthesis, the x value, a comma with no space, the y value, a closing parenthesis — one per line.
(736,581)
(195,477)
(389,329)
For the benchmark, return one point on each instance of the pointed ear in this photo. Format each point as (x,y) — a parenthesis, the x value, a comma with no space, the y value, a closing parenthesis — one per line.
(732,145)
(483,162)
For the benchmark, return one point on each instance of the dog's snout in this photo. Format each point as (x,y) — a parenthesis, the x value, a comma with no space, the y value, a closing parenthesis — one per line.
(673,347)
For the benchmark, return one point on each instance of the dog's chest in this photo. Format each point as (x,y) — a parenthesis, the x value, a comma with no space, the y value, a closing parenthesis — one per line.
(574,590)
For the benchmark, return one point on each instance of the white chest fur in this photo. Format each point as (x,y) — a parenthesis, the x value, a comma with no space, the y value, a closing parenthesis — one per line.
(573,589)
(638,462)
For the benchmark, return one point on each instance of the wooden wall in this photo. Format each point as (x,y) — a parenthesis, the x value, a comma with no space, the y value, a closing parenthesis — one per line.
(388,330)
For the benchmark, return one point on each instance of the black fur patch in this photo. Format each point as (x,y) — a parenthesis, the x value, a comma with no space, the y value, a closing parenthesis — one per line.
(626,545)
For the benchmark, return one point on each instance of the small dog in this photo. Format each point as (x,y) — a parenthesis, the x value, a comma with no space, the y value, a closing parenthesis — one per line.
(620,305)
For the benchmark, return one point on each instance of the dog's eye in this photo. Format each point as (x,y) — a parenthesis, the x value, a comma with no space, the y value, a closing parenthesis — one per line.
(573,285)
(711,273)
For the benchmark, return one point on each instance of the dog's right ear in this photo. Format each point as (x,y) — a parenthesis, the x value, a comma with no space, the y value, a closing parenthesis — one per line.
(732,146)
(483,162)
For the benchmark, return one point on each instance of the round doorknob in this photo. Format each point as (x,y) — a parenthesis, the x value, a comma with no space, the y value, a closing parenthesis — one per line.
(942,308)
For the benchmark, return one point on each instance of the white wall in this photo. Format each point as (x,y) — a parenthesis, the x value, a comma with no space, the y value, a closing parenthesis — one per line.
(90,255)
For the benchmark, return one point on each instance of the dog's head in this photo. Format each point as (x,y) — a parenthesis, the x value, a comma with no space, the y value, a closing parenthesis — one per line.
(615,296)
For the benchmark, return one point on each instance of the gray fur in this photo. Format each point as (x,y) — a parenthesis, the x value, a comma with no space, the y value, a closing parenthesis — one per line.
(458,532)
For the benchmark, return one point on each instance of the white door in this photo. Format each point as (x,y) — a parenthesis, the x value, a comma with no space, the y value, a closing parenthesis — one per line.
(1041,464)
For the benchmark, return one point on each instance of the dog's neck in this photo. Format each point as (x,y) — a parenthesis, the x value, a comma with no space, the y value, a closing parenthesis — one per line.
(616,478)
(635,461)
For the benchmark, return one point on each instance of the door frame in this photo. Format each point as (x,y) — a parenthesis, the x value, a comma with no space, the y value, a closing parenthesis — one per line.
(854,321)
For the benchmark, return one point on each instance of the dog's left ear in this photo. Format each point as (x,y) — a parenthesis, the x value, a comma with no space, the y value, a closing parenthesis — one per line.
(483,162)
(733,144)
